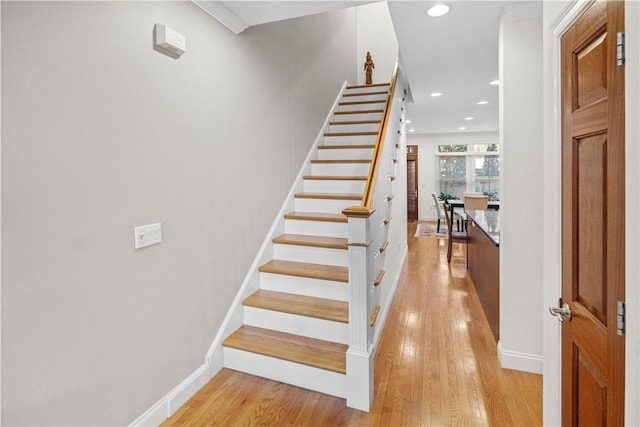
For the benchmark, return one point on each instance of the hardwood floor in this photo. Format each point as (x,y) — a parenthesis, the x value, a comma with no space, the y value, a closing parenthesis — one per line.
(436,365)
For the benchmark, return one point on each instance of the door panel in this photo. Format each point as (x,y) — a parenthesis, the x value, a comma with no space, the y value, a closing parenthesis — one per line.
(412,183)
(593,217)
(591,188)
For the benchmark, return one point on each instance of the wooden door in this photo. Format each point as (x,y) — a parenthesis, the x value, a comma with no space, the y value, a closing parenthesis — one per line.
(412,182)
(593,218)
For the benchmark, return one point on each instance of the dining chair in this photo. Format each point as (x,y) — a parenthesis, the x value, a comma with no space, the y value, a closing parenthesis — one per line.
(452,236)
(439,207)
(474,202)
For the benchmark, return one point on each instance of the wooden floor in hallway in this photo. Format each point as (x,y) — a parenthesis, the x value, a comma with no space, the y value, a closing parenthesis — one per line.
(436,365)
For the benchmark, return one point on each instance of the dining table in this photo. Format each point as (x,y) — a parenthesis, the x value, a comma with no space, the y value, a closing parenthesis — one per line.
(458,203)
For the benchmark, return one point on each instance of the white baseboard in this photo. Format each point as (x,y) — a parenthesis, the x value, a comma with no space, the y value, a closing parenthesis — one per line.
(177,397)
(520,361)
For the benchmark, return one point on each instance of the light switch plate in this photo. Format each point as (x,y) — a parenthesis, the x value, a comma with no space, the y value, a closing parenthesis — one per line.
(147,235)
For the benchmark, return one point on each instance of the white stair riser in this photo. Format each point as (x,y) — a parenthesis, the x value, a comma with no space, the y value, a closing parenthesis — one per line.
(299,325)
(370,88)
(333,186)
(304,286)
(358,116)
(350,140)
(361,107)
(308,377)
(316,228)
(345,154)
(340,169)
(323,205)
(311,254)
(360,96)
(362,127)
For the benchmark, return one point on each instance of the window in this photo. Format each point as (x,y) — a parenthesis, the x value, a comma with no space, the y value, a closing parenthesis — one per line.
(469,168)
(453,169)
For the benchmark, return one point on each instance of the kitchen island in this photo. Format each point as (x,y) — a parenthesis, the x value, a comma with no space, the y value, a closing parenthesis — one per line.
(483,262)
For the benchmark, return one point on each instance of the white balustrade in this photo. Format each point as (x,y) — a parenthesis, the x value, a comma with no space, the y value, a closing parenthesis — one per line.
(368,227)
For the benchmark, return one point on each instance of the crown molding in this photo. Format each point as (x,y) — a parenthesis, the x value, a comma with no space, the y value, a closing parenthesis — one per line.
(223,14)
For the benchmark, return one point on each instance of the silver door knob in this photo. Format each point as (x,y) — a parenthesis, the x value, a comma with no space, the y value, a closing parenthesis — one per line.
(562,313)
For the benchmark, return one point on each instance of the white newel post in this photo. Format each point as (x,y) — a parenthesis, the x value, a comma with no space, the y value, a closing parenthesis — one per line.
(360,353)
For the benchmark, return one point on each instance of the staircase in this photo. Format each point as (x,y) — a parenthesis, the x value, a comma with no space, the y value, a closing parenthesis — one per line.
(296,325)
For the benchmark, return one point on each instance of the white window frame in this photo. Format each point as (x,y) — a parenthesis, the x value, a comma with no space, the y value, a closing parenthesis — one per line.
(470,164)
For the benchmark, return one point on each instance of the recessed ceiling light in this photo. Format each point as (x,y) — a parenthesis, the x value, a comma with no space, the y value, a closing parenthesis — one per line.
(438,10)
(412,130)
(469,118)
(482,102)
(407,121)
(436,94)
(462,128)
(494,82)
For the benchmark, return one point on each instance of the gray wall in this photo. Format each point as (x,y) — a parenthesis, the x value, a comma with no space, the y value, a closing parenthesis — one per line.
(101,134)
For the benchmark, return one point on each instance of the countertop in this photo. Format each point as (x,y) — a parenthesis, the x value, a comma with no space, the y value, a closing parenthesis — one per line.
(489,222)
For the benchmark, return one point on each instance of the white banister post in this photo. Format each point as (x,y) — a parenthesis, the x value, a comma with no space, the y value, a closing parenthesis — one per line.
(360,353)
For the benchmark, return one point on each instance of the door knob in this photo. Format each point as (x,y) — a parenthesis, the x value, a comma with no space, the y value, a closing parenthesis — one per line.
(562,313)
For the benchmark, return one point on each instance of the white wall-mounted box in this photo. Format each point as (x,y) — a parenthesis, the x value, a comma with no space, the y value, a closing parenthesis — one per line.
(170,40)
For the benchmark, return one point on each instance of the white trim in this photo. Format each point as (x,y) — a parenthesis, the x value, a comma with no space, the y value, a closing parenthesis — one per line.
(188,388)
(632,198)
(520,361)
(223,14)
(552,232)
(384,313)
(177,397)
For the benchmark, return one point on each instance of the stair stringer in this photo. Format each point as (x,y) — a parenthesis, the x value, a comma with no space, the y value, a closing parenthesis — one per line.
(235,315)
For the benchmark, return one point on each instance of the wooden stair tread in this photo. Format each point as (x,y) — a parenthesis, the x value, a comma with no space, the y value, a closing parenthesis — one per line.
(358,112)
(316,216)
(371,85)
(354,122)
(373,101)
(381,92)
(305,269)
(318,308)
(335,178)
(294,348)
(330,134)
(314,241)
(345,161)
(329,196)
(347,147)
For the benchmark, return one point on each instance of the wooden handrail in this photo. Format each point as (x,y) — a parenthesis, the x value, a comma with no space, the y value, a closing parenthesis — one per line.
(367,197)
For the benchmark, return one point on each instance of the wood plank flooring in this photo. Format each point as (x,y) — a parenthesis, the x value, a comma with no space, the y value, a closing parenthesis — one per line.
(436,365)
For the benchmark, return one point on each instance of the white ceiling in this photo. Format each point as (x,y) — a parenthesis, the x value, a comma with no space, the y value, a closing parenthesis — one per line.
(456,54)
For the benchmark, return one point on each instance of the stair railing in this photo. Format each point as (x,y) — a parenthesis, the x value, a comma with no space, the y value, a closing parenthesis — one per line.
(368,226)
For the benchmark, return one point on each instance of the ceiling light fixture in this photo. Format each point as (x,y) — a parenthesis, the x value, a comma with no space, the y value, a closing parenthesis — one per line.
(412,130)
(407,121)
(482,102)
(438,10)
(462,128)
(469,118)
(436,94)
(494,82)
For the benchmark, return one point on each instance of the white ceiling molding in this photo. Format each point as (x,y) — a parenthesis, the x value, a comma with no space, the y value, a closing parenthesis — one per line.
(223,14)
